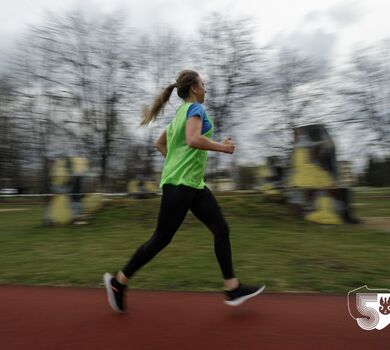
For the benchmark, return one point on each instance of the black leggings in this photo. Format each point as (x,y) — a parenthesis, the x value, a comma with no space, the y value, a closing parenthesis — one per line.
(175,202)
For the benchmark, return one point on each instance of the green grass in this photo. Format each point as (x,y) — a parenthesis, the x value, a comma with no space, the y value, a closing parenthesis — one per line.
(269,245)
(372,202)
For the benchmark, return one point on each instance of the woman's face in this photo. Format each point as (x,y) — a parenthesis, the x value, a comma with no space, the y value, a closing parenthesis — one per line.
(200,91)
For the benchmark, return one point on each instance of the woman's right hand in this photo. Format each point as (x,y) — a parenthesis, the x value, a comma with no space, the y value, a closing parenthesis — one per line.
(229,146)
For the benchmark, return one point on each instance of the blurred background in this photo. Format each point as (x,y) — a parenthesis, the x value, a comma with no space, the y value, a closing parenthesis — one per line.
(74,78)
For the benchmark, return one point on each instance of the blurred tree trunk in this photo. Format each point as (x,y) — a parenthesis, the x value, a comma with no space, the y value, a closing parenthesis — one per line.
(9,147)
(230,60)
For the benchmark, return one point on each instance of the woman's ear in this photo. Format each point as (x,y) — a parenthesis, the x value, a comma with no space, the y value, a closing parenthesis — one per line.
(193,89)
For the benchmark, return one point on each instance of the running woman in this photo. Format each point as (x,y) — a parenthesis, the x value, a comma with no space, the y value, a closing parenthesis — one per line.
(184,144)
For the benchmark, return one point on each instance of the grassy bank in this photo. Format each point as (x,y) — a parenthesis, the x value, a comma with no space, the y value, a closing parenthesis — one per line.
(269,245)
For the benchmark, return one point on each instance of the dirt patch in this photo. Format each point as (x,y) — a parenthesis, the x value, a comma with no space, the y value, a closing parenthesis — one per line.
(12,209)
(379,223)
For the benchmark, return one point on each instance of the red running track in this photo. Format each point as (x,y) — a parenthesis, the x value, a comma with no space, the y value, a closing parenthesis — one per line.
(69,318)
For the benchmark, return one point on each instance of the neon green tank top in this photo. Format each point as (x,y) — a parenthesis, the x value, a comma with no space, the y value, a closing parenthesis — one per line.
(183,165)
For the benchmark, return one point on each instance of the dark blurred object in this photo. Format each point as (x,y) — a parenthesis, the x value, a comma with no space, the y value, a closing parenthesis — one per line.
(246,177)
(272,176)
(376,173)
(313,186)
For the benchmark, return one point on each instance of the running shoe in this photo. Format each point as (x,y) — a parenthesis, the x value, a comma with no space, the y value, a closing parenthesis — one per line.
(242,293)
(115,293)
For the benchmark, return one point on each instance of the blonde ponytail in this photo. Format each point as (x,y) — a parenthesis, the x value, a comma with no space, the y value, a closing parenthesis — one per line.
(149,114)
(184,81)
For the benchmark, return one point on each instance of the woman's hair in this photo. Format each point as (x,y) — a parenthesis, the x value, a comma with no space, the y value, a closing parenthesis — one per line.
(184,81)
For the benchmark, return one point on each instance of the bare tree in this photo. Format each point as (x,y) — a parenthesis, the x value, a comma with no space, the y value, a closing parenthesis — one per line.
(230,60)
(77,79)
(366,91)
(293,84)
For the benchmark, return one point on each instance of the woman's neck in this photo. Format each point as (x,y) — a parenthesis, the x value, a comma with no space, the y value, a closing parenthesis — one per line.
(191,100)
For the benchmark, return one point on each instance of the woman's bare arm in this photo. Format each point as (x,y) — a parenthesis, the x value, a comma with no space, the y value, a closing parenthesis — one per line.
(161,144)
(195,139)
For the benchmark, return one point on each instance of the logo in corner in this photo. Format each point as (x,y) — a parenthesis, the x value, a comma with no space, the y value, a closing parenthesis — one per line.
(370,307)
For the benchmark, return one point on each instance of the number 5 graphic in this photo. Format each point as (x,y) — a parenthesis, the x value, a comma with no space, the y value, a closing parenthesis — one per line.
(371,318)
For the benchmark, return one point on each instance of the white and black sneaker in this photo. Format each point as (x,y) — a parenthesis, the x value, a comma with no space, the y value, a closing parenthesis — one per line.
(115,293)
(242,293)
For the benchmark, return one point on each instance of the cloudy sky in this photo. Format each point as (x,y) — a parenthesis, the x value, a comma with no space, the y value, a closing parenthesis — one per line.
(328,27)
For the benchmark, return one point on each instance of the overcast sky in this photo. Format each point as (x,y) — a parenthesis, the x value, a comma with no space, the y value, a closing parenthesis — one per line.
(328,27)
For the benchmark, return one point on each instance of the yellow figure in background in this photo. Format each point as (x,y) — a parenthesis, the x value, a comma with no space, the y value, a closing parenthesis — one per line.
(264,171)
(268,188)
(60,209)
(64,207)
(151,186)
(307,174)
(324,213)
(132,186)
(92,202)
(79,165)
(59,173)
